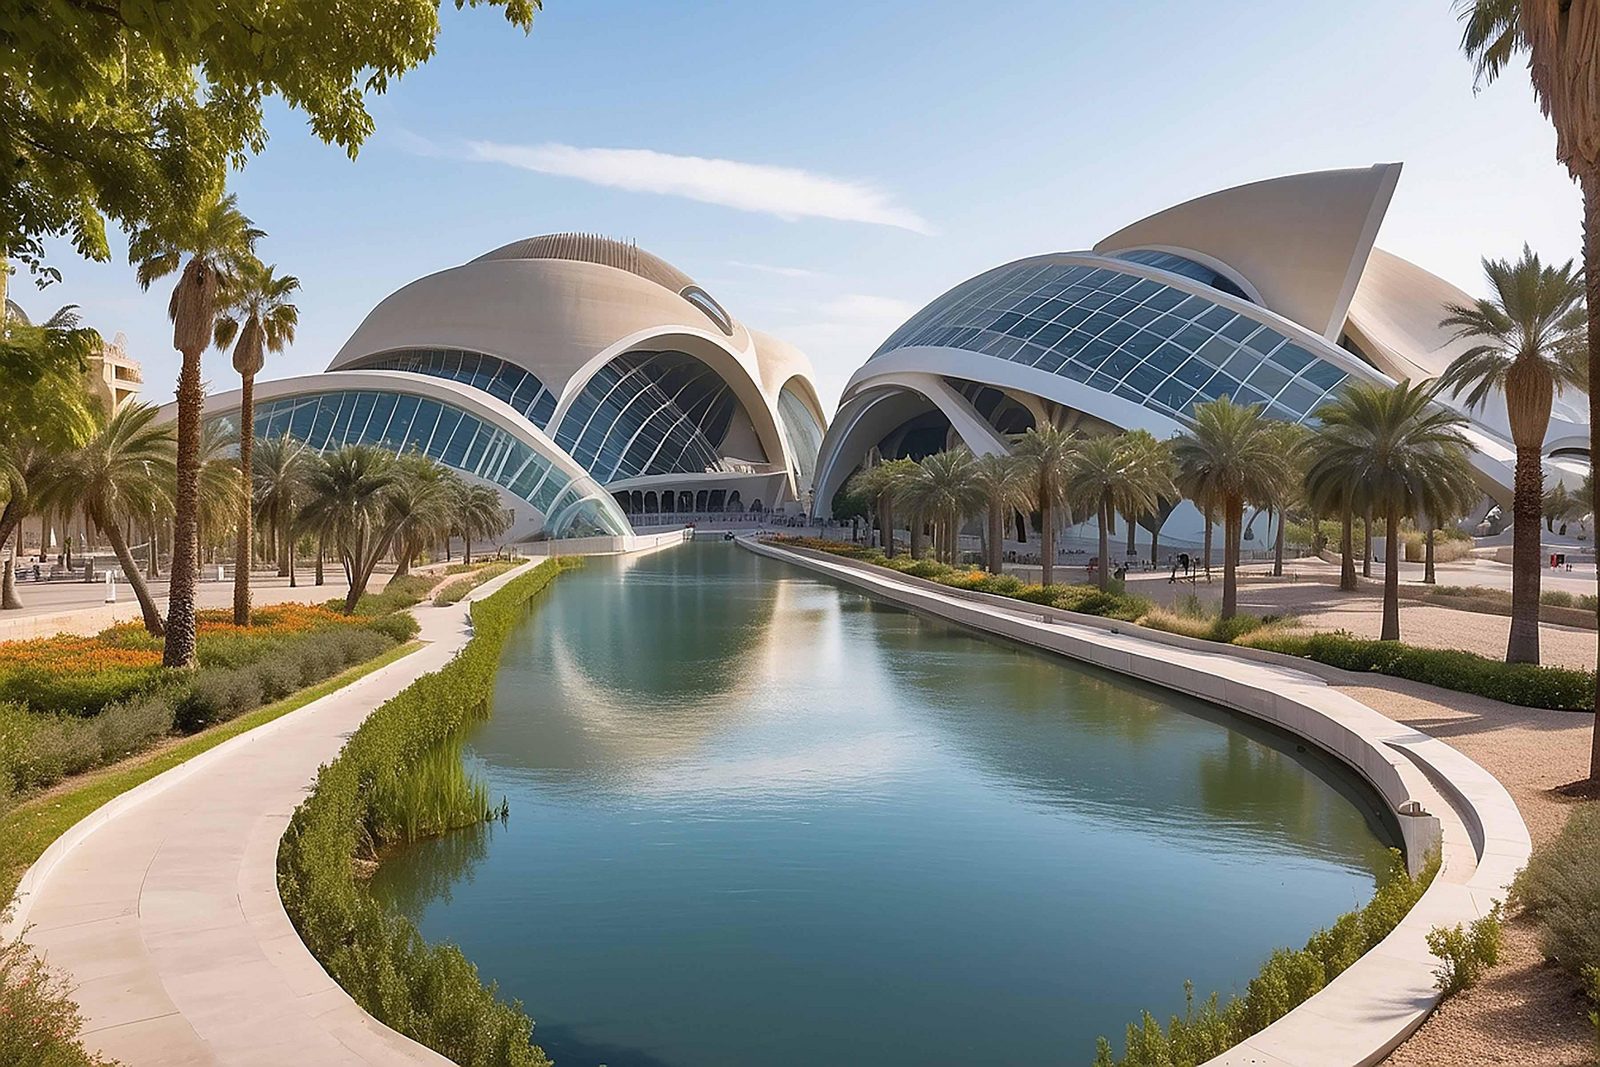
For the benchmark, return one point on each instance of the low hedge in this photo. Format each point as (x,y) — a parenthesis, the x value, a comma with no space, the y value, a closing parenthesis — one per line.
(1287,979)
(431,993)
(1558,688)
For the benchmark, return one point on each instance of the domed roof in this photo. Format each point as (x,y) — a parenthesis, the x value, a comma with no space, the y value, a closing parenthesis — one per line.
(593,248)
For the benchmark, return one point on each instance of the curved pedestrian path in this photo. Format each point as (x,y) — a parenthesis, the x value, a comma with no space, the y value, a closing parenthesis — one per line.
(1439,796)
(162,907)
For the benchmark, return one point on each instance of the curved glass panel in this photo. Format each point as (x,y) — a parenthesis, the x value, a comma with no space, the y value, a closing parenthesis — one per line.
(500,379)
(1133,337)
(648,413)
(1185,266)
(805,436)
(460,440)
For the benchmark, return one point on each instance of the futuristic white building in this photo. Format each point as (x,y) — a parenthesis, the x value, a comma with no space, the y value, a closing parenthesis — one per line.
(588,381)
(1271,293)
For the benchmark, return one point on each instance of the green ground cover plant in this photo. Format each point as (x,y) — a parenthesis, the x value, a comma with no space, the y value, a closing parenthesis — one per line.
(1528,685)
(477,575)
(1287,979)
(398,595)
(388,786)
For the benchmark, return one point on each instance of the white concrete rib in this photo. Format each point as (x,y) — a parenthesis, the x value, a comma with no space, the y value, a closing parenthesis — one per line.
(1359,1018)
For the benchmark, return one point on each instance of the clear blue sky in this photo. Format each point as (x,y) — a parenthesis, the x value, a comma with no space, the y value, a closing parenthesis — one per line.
(874,153)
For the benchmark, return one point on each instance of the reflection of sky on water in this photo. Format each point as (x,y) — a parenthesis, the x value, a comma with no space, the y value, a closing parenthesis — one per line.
(752,811)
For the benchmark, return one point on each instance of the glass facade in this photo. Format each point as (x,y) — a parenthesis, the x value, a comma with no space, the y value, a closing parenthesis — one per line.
(1176,264)
(648,413)
(490,374)
(1122,334)
(805,436)
(404,422)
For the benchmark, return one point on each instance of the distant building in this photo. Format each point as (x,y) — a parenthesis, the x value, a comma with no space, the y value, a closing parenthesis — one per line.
(113,376)
(1271,293)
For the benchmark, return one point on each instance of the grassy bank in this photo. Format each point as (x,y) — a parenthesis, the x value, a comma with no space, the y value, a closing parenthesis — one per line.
(390,785)
(1555,688)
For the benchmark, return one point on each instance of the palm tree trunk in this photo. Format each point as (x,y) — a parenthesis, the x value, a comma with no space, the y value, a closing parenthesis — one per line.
(1526,550)
(179,650)
(322,552)
(9,600)
(1277,547)
(1589,180)
(292,583)
(919,535)
(1232,528)
(130,570)
(1347,551)
(1206,551)
(241,546)
(1391,578)
(1103,572)
(466,538)
(997,535)
(1366,545)
(152,566)
(1428,577)
(1133,528)
(1155,539)
(1047,539)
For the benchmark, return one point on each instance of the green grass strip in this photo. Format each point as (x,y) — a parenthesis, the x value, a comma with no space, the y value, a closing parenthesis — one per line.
(29,828)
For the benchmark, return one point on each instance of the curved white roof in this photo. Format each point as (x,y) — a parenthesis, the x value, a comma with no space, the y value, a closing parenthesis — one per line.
(1301,240)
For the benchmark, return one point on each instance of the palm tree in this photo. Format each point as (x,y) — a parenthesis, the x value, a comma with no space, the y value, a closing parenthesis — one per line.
(1288,493)
(258,313)
(125,469)
(476,512)
(1003,481)
(1111,474)
(1230,457)
(1408,454)
(281,469)
(1560,39)
(215,243)
(944,489)
(1146,448)
(1524,329)
(419,506)
(876,485)
(1047,452)
(348,501)
(219,489)
(1558,505)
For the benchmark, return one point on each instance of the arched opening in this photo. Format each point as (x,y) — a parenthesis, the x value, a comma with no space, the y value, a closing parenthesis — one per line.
(651,505)
(638,502)
(755,505)
(700,501)
(685,500)
(734,503)
(668,500)
(624,502)
(716,499)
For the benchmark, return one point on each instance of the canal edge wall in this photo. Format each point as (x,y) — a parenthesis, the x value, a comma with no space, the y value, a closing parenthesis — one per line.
(1364,1013)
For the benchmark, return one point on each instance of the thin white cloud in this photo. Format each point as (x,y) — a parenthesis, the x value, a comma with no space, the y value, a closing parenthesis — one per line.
(860,308)
(787,192)
(782,272)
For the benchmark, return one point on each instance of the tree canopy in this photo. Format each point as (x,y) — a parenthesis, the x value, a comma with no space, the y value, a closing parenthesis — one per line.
(134,110)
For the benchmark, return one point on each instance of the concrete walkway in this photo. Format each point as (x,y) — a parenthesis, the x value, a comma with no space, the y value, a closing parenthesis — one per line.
(163,906)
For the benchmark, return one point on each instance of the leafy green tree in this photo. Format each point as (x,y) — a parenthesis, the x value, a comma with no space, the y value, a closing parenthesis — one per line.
(207,252)
(1047,452)
(943,488)
(1003,481)
(420,506)
(1229,457)
(1523,330)
(1561,39)
(876,484)
(125,469)
(257,318)
(1406,452)
(136,112)
(1112,473)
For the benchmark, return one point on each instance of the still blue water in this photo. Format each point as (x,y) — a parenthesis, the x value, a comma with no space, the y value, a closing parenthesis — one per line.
(757,818)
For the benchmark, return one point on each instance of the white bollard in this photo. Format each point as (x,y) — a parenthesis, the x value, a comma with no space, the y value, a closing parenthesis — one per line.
(111,588)
(219,572)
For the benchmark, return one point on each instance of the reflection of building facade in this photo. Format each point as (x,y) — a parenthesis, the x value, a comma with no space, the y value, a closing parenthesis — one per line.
(113,376)
(1271,293)
(593,384)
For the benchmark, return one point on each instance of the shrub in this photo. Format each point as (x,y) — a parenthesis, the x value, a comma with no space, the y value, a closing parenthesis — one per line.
(1558,688)
(1560,889)
(453,592)
(373,795)
(72,691)
(399,627)
(397,595)
(1287,979)
(1465,952)
(39,1022)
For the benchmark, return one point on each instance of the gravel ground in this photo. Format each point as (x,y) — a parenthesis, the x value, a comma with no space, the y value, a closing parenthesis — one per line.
(1523,1012)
